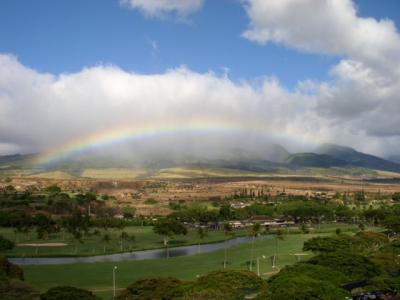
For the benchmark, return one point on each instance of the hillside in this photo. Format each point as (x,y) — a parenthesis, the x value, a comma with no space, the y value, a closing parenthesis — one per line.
(357,159)
(272,158)
(314,160)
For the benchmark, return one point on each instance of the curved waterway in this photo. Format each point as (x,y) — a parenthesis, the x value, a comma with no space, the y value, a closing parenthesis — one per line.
(134,255)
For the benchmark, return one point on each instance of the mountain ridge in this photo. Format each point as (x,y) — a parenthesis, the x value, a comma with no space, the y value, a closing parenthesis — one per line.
(271,158)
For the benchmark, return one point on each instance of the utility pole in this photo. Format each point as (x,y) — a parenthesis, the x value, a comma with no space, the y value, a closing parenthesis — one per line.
(114,269)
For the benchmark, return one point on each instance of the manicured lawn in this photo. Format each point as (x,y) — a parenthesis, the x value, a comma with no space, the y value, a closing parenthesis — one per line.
(98,276)
(145,238)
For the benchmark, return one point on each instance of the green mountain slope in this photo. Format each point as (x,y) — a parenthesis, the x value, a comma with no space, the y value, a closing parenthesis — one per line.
(358,159)
(314,160)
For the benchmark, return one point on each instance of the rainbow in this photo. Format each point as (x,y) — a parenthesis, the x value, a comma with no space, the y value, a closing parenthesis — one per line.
(135,132)
(128,133)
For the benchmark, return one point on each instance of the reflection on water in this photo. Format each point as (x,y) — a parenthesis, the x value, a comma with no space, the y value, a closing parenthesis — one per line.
(135,255)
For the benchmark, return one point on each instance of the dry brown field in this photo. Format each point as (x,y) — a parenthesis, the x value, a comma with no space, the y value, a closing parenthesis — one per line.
(152,196)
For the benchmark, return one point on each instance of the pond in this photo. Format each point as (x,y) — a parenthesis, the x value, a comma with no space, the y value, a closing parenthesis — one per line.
(134,255)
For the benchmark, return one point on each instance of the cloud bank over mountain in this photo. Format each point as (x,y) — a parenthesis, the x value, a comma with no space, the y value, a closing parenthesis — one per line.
(358,107)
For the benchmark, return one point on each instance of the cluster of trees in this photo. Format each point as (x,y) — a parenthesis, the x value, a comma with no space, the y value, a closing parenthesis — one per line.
(5,244)
(300,211)
(168,228)
(12,285)
(367,260)
(219,284)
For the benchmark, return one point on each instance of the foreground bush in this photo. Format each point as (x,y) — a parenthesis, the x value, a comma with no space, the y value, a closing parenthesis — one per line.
(304,281)
(5,244)
(153,289)
(17,290)
(220,284)
(355,266)
(12,286)
(68,293)
(232,284)
(9,270)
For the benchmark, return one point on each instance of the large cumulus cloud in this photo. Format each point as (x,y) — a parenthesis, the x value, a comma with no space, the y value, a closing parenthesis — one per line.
(41,111)
(362,97)
(358,107)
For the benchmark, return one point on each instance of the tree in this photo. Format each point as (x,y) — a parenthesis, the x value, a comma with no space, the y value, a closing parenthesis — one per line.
(53,189)
(361,226)
(231,284)
(125,237)
(363,242)
(396,197)
(16,290)
(228,232)
(168,228)
(10,270)
(392,223)
(106,239)
(225,212)
(45,226)
(354,265)
(304,281)
(77,224)
(154,289)
(304,228)
(201,233)
(5,244)
(325,244)
(12,286)
(255,230)
(278,237)
(68,293)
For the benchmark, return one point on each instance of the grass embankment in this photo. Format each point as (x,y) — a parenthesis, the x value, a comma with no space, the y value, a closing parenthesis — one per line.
(145,238)
(98,276)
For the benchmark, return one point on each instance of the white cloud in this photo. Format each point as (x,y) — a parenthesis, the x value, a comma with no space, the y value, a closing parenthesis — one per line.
(324,26)
(162,8)
(359,107)
(42,111)
(362,97)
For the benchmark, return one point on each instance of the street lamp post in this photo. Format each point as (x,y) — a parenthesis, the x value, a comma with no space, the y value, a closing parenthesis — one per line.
(114,269)
(258,264)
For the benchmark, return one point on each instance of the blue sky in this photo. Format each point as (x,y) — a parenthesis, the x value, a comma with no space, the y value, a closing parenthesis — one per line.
(310,71)
(65,36)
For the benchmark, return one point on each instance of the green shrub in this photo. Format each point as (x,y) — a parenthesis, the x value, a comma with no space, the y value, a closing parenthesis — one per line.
(233,284)
(355,266)
(5,244)
(68,293)
(153,289)
(9,270)
(294,285)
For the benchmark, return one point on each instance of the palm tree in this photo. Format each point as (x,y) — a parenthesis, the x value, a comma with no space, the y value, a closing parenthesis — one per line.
(202,234)
(278,237)
(124,236)
(106,239)
(132,239)
(255,230)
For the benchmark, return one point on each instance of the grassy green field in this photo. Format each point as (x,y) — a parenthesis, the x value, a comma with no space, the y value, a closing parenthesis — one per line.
(98,276)
(145,238)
